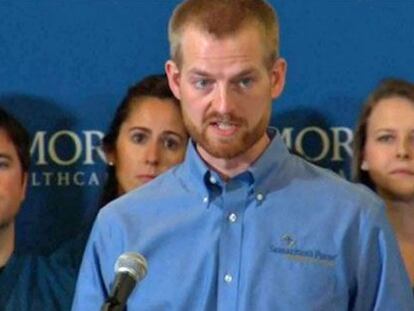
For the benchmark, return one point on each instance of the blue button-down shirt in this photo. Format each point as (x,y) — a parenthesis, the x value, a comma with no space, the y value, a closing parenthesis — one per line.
(284,235)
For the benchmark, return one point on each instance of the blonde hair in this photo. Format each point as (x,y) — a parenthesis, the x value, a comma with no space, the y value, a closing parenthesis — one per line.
(222,18)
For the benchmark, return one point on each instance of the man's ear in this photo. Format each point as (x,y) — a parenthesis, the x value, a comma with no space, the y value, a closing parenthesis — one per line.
(173,74)
(278,77)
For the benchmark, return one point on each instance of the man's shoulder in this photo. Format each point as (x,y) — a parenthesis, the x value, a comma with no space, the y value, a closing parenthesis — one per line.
(329,185)
(30,274)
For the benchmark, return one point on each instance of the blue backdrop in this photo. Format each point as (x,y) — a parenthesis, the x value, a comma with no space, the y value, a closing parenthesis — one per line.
(64,66)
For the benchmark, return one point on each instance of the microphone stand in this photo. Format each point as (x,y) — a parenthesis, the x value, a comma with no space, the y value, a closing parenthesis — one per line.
(111,306)
(123,286)
(130,268)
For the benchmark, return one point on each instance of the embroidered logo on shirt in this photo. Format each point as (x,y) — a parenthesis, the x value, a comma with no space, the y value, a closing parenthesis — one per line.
(302,255)
(288,240)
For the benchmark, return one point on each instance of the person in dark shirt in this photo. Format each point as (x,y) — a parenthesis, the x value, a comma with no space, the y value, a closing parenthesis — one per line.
(27,281)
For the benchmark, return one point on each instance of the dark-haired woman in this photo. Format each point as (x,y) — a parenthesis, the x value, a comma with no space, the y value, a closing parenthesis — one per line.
(146,137)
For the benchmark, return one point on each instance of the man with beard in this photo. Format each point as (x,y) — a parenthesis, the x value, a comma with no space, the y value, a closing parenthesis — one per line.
(242,224)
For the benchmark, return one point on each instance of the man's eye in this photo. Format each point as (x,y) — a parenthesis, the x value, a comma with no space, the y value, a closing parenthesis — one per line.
(138,138)
(202,84)
(245,83)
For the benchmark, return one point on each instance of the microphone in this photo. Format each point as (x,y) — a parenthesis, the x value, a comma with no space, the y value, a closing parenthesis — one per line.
(130,269)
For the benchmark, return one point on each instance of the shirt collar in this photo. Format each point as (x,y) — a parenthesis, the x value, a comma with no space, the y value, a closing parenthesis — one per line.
(264,174)
(195,170)
(270,168)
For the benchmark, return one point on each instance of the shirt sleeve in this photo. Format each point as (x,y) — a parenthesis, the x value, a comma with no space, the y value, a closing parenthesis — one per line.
(97,269)
(382,281)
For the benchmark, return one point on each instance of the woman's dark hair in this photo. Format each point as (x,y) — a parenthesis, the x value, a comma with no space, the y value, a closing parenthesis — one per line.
(19,137)
(386,89)
(151,86)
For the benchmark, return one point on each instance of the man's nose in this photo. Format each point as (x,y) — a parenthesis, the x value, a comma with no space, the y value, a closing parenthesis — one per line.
(224,101)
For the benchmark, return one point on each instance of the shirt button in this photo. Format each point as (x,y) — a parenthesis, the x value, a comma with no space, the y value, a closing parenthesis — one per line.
(228,278)
(213,180)
(232,217)
(205,200)
(259,197)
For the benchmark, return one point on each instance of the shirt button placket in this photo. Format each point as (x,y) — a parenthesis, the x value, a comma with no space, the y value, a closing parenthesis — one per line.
(234,202)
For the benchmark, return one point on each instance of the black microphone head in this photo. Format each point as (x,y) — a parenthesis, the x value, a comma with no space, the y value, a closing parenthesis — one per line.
(132,263)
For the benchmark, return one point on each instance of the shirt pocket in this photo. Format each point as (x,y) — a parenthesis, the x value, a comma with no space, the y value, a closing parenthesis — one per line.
(294,282)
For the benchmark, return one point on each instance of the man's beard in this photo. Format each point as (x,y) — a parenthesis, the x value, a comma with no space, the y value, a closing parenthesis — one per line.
(231,147)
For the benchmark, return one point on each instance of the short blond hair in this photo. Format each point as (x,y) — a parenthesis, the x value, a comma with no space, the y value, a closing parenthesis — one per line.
(222,18)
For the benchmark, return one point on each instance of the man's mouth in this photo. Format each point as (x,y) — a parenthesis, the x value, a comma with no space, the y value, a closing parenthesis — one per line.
(225,128)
